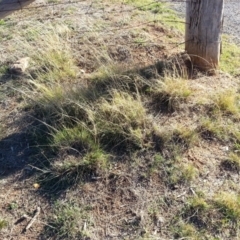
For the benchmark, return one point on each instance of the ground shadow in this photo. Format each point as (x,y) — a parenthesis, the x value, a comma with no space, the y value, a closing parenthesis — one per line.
(29,153)
(27,147)
(20,148)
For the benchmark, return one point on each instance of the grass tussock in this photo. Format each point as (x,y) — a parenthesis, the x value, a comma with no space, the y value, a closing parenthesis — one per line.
(211,216)
(55,63)
(76,137)
(122,127)
(52,60)
(3,224)
(226,102)
(170,93)
(123,119)
(176,137)
(69,171)
(187,136)
(229,205)
(222,129)
(181,174)
(116,120)
(187,231)
(198,204)
(232,163)
(70,221)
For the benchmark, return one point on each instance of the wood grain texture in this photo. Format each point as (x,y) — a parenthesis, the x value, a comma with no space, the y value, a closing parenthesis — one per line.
(203,32)
(7,7)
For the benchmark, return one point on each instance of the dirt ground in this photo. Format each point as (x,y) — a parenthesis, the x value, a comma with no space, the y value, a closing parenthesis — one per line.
(121,199)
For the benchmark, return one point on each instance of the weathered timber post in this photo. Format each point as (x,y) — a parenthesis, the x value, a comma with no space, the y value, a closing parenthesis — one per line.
(7,7)
(203,32)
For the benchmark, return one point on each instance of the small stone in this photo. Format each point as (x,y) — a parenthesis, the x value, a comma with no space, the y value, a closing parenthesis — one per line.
(36,185)
(20,66)
(225,148)
(161,219)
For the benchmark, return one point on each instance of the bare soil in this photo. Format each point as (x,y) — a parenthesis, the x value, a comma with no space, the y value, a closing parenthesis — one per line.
(121,199)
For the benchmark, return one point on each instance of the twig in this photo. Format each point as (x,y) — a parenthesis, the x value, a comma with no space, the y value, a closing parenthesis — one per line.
(181,195)
(21,219)
(37,212)
(193,192)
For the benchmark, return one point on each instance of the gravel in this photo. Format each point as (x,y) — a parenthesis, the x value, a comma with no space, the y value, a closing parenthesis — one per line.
(231,17)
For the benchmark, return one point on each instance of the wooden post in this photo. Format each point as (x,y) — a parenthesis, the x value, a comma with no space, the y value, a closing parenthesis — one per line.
(7,7)
(204,20)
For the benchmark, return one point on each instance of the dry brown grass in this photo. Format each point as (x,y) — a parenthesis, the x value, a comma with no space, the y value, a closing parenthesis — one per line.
(123,147)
